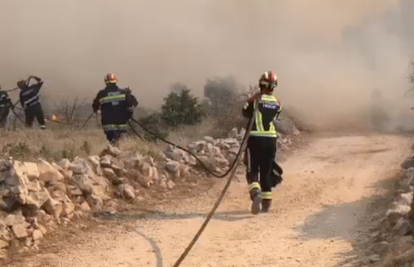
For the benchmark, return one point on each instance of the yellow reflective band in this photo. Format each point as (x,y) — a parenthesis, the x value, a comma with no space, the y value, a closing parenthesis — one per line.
(115,126)
(246,105)
(269,98)
(112,98)
(266,195)
(272,128)
(263,134)
(259,122)
(254,185)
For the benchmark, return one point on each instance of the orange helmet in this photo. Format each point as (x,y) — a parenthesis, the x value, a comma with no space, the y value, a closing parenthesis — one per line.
(111,78)
(21,83)
(268,80)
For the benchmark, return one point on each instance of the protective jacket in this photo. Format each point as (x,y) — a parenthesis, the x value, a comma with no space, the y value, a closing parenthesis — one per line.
(116,107)
(268,107)
(29,95)
(5,101)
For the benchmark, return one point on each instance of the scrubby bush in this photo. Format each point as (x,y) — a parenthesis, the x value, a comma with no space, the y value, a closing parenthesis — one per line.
(222,94)
(181,107)
(155,124)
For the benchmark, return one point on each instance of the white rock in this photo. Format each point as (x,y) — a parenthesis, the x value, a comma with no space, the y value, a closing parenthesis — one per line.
(47,173)
(79,166)
(32,170)
(64,164)
(127,191)
(170,184)
(233,133)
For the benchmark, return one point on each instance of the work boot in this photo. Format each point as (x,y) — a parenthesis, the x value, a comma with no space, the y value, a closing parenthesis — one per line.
(266,203)
(256,200)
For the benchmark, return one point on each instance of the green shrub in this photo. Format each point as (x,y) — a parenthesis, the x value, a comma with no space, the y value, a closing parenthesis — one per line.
(181,108)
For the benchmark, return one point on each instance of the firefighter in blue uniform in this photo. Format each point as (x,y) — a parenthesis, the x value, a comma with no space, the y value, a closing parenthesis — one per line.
(261,145)
(116,106)
(30,101)
(5,106)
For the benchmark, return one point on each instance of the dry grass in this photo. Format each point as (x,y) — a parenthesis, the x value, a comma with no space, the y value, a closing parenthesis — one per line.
(61,143)
(183,135)
(27,144)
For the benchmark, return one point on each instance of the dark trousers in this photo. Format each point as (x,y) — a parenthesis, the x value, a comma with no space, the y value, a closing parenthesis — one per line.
(4,112)
(33,112)
(260,155)
(113,136)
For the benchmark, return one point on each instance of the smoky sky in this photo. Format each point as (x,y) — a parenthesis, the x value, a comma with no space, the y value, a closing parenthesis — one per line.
(328,54)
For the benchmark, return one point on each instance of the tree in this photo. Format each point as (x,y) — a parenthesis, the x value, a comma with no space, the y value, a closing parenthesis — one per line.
(221,92)
(181,108)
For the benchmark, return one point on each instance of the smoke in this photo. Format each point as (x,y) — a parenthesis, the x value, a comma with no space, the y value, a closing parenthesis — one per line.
(329,54)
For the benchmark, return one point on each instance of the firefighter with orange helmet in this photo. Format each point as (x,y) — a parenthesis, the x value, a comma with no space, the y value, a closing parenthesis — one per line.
(116,106)
(263,107)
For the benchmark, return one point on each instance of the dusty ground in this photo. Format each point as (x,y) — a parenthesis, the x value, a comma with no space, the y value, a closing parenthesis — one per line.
(319,215)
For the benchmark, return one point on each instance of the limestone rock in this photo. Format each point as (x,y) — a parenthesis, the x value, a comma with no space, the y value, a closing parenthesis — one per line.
(47,173)
(20,230)
(233,133)
(68,208)
(31,170)
(64,164)
(174,168)
(109,173)
(14,219)
(79,166)
(170,184)
(3,244)
(85,207)
(111,150)
(106,161)
(127,191)
(37,235)
(53,207)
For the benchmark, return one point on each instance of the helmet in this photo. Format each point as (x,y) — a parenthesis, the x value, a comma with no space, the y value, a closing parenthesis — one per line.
(268,80)
(111,78)
(21,83)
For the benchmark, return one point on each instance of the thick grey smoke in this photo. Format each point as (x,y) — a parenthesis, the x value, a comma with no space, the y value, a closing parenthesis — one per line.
(328,54)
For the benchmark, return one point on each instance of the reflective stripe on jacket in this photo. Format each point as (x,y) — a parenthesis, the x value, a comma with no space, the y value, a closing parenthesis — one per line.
(268,107)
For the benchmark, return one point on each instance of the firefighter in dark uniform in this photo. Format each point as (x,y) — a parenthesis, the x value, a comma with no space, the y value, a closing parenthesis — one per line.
(116,106)
(261,145)
(30,101)
(5,106)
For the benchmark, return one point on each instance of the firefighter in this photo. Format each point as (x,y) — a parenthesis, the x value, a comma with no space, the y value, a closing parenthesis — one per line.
(116,106)
(5,106)
(261,145)
(30,101)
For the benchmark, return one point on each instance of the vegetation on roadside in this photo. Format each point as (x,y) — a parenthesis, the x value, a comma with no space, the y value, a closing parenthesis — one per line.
(182,117)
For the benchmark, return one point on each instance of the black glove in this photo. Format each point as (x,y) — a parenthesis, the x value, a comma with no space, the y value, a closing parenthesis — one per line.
(276,174)
(127,90)
(34,77)
(130,115)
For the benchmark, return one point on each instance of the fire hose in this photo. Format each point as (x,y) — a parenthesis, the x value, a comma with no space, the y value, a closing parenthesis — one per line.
(232,171)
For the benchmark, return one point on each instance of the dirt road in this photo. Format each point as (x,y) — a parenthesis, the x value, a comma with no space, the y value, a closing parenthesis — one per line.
(316,216)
